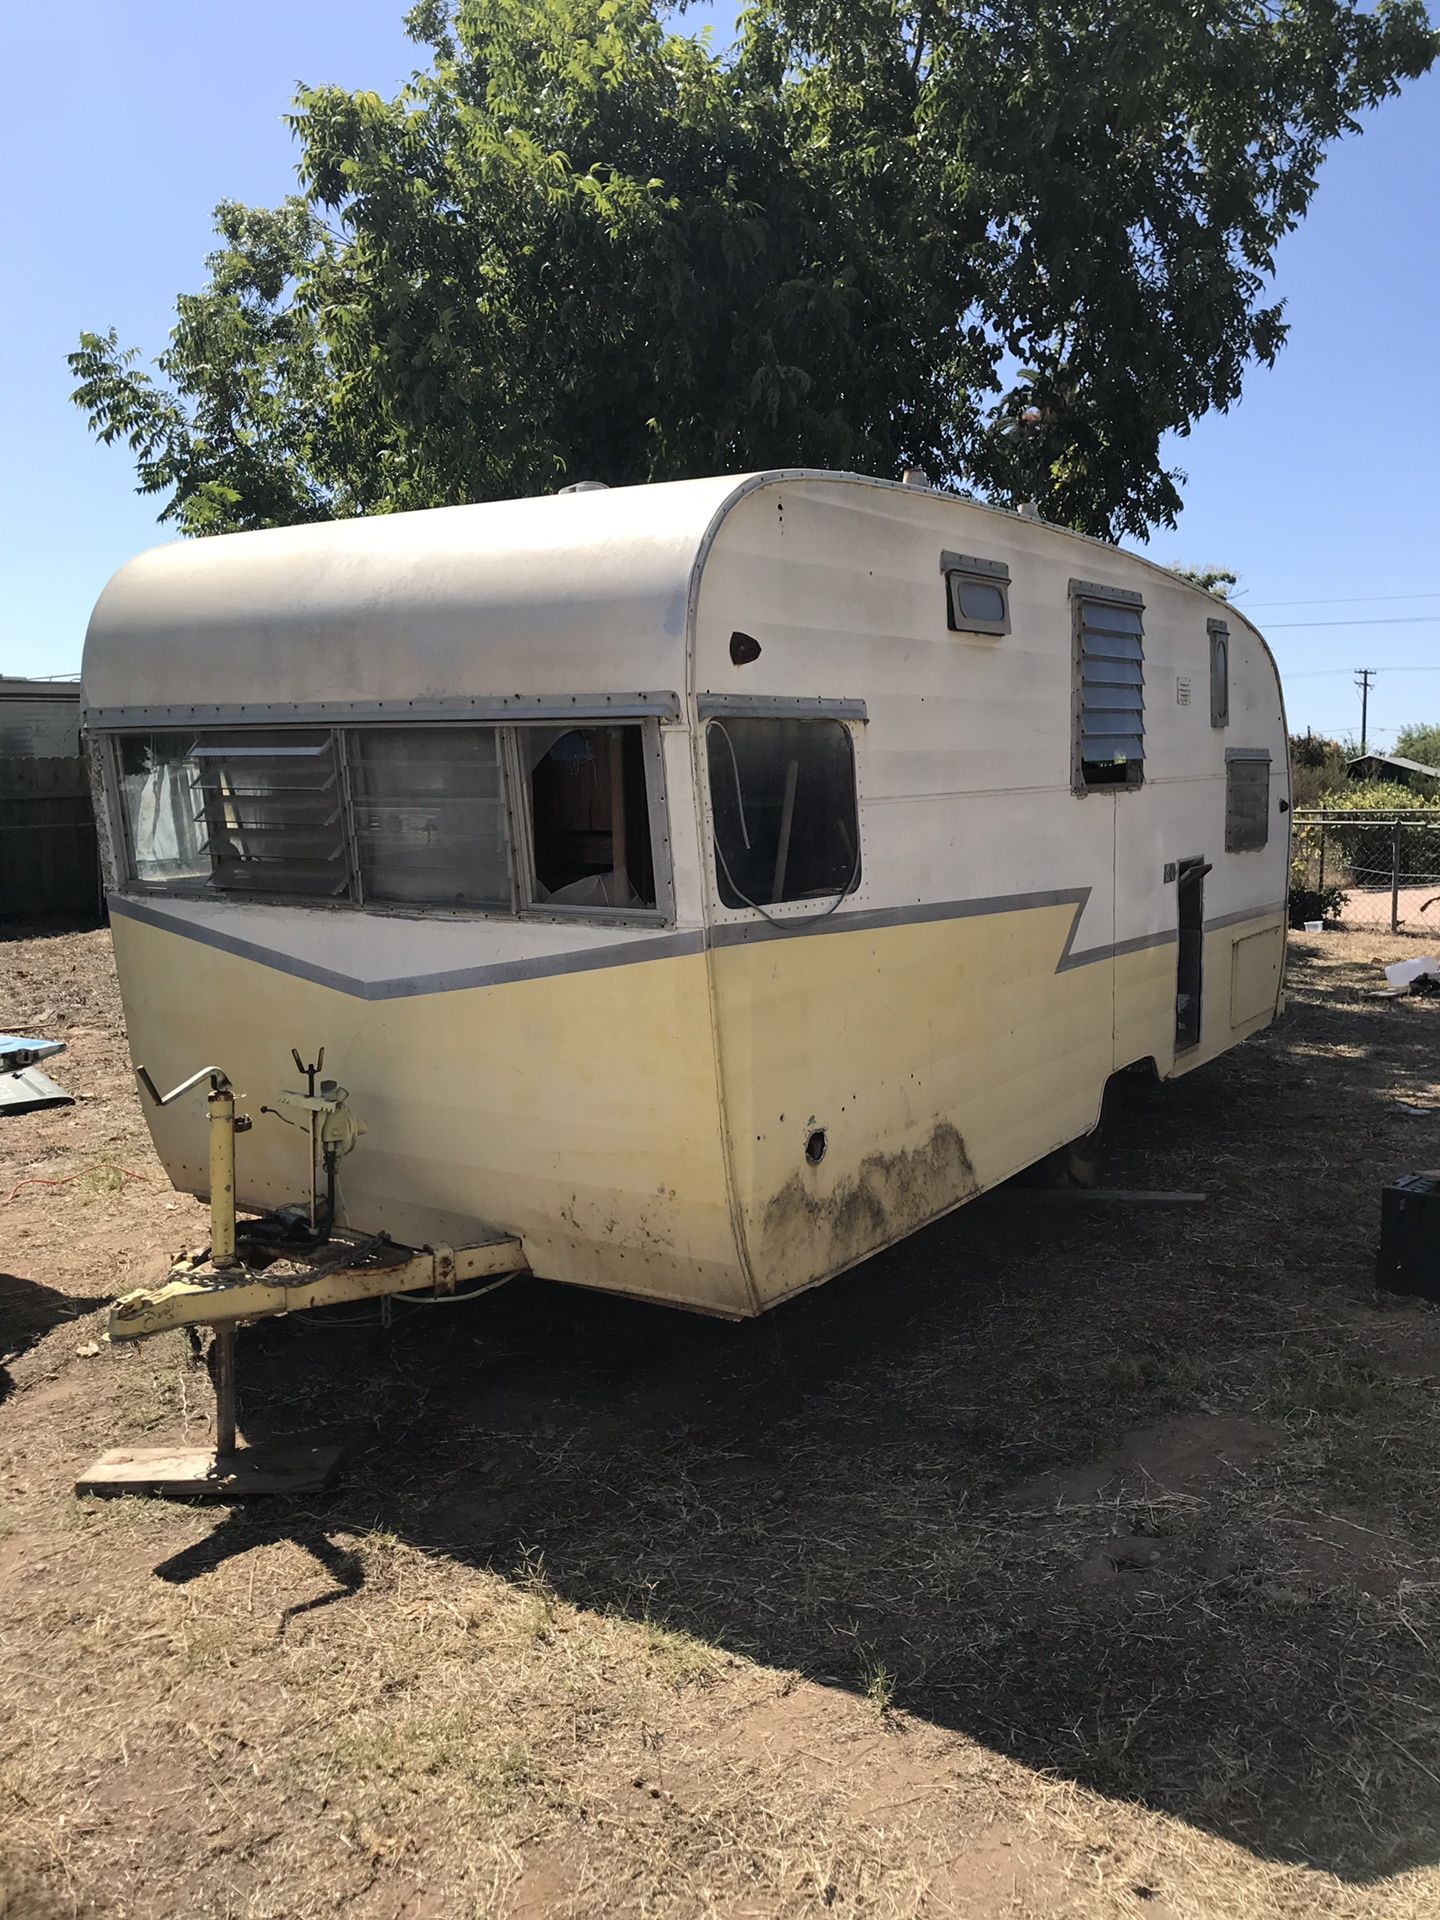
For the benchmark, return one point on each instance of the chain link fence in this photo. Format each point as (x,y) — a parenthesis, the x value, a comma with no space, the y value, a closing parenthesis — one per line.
(1366,871)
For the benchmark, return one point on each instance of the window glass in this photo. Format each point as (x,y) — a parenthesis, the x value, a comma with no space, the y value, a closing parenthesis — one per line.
(161,799)
(978,599)
(979,602)
(404,815)
(977,594)
(429,815)
(1247,802)
(251,812)
(590,816)
(783,797)
(1219,674)
(1110,749)
(273,813)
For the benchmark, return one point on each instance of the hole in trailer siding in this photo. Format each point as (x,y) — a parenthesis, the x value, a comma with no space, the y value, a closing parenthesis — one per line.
(744,648)
(815,1146)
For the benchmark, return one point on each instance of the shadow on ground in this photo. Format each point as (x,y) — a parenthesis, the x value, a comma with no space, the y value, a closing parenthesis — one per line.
(856,1485)
(28,1310)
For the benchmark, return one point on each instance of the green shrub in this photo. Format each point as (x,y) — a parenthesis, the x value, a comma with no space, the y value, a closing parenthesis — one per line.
(1419,741)
(1366,847)
(1316,903)
(1317,767)
(1378,796)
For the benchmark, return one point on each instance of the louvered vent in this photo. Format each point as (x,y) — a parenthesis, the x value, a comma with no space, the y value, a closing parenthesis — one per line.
(270,814)
(1111,746)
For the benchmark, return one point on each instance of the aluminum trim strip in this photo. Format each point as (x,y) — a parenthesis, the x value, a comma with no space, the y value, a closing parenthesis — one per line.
(972,563)
(475,707)
(739,933)
(779,706)
(1097,590)
(1241,915)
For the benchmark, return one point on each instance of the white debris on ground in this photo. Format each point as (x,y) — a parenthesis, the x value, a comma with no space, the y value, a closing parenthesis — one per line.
(1402,974)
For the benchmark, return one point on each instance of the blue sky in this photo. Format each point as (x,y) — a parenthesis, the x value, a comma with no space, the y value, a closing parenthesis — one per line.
(1320,487)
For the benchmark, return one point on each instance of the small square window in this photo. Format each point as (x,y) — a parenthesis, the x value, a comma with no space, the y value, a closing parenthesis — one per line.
(977,594)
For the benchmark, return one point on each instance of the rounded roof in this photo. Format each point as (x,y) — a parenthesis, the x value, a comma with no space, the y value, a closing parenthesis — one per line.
(564,594)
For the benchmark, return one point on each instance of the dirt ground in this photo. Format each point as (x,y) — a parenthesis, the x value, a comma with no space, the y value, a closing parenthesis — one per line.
(1074,1558)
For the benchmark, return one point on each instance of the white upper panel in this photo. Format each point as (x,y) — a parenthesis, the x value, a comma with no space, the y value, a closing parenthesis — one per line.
(965,765)
(569,594)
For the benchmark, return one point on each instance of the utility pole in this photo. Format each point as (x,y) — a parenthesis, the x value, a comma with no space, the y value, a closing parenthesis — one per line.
(1363,677)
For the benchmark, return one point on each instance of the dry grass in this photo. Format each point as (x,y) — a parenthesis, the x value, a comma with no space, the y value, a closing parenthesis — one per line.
(1074,1560)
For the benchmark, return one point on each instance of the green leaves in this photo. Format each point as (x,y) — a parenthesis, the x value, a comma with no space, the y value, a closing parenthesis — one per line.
(1217,580)
(581,243)
(241,433)
(1419,741)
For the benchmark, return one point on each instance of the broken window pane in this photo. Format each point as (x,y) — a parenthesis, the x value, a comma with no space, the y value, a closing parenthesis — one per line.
(590,816)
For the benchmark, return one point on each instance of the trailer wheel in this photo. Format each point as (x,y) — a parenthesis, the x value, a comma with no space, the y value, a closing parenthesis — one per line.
(1079,1163)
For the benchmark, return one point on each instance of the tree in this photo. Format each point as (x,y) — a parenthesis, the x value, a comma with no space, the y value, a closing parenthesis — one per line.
(1317,770)
(580,244)
(1421,742)
(1216,580)
(246,431)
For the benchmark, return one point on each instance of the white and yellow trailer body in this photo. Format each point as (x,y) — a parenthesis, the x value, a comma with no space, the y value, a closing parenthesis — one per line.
(713,1094)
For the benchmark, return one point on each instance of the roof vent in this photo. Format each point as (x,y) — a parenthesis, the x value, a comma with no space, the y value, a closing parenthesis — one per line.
(914,477)
(586,486)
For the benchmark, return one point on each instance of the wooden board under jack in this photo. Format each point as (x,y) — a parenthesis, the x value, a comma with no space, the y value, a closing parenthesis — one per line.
(198,1473)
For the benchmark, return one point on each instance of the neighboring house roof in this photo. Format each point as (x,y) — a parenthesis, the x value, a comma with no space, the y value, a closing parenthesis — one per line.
(1393,760)
(20,687)
(39,719)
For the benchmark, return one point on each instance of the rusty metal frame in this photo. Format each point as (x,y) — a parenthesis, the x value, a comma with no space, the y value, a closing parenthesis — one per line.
(196,1295)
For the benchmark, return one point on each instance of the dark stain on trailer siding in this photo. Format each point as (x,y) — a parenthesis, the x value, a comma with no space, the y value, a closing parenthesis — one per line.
(811,1228)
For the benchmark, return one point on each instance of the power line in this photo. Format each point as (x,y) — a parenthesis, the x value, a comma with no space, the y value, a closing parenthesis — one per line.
(1385,620)
(1345,600)
(1322,673)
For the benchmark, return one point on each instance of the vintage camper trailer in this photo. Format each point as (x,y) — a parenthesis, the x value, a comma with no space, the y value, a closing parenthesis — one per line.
(700,885)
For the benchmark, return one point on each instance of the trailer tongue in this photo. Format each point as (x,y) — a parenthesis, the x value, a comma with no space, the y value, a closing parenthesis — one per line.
(283,1262)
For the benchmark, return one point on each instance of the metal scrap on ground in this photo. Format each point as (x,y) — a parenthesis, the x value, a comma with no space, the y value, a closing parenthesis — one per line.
(23,1088)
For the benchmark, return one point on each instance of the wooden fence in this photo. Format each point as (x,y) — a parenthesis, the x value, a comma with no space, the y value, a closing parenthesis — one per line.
(49,867)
